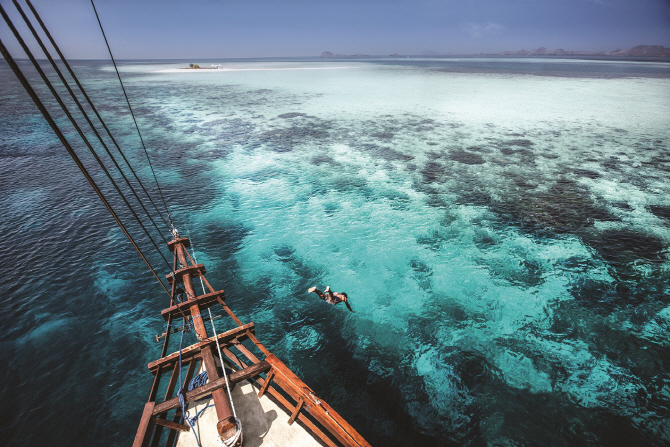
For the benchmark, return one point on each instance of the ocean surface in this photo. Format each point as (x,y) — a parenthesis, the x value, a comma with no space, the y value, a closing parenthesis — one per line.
(501,226)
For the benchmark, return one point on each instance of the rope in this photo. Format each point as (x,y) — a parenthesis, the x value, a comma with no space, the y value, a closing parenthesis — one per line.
(76,126)
(180,393)
(95,110)
(132,114)
(238,433)
(90,103)
(47,116)
(90,123)
(198,381)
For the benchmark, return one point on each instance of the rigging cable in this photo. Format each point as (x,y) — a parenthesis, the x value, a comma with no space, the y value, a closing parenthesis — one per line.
(95,110)
(47,116)
(132,114)
(18,37)
(83,112)
(238,434)
(20,40)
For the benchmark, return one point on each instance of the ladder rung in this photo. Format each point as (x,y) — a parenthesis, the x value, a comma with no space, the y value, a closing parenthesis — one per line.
(203,301)
(193,270)
(193,350)
(172,425)
(198,393)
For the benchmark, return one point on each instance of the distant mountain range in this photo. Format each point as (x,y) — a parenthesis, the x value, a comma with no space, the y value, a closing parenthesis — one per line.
(636,51)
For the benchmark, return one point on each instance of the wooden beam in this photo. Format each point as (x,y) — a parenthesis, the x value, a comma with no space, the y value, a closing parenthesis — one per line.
(146,427)
(187,353)
(296,410)
(198,393)
(184,308)
(230,312)
(243,349)
(172,425)
(179,240)
(193,270)
(268,380)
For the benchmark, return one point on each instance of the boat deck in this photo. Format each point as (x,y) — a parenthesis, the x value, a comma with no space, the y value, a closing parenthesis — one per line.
(263,422)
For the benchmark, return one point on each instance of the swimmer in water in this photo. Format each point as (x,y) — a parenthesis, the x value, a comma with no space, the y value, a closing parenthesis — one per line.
(332,297)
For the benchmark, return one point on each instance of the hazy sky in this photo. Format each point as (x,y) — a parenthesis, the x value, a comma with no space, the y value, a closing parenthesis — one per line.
(193,29)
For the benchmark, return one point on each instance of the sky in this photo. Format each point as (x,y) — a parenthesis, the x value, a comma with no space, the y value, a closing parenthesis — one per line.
(191,29)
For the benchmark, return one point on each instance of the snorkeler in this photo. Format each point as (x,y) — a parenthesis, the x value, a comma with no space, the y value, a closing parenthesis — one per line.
(332,298)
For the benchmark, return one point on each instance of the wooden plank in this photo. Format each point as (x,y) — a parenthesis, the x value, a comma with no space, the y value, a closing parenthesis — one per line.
(146,425)
(187,353)
(178,240)
(318,408)
(259,345)
(203,301)
(172,425)
(232,357)
(172,384)
(296,410)
(243,349)
(230,312)
(198,393)
(193,270)
(268,380)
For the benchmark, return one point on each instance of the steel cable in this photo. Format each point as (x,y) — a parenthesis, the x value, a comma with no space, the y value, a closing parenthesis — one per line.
(83,112)
(26,85)
(132,114)
(73,121)
(95,110)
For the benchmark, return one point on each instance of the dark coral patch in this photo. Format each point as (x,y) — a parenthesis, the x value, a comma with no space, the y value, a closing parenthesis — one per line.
(520,142)
(467,158)
(661,211)
(322,159)
(586,173)
(432,172)
(291,115)
(623,246)
(564,208)
(601,295)
(383,135)
(284,140)
(386,153)
(284,253)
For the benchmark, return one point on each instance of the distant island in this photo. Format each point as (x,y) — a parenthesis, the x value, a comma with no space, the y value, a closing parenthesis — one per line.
(198,67)
(329,54)
(636,51)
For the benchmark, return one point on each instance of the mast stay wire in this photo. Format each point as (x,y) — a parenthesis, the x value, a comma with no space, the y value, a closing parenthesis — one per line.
(238,423)
(83,112)
(132,114)
(74,123)
(26,85)
(95,110)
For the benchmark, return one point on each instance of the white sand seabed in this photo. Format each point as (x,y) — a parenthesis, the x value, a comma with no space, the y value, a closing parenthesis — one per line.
(214,70)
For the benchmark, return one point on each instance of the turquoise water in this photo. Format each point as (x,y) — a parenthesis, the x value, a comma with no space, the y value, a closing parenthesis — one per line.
(501,227)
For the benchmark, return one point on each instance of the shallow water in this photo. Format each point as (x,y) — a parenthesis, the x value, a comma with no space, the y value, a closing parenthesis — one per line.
(500,226)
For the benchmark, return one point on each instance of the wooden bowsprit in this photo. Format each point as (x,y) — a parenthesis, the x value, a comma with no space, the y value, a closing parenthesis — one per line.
(272,378)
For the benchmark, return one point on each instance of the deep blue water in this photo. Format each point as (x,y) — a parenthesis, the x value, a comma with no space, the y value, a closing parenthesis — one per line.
(501,226)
